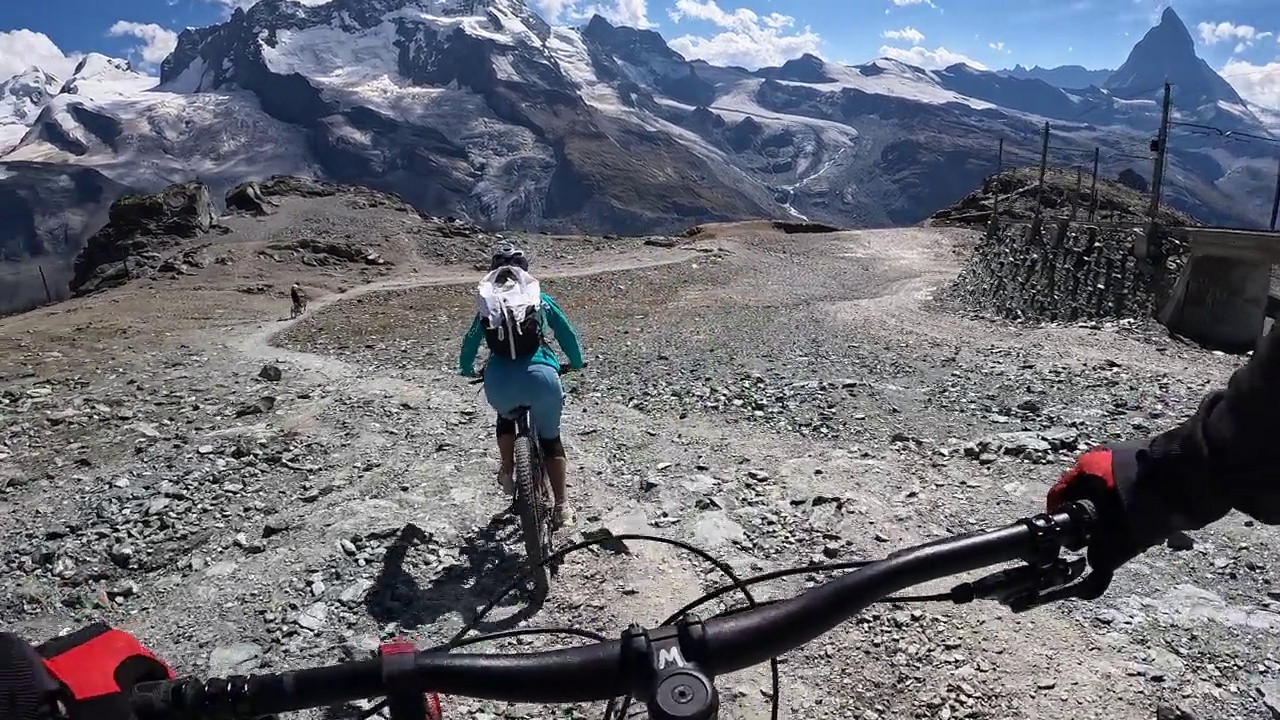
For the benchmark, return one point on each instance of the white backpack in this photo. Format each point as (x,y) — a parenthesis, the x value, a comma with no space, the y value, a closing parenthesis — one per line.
(510,312)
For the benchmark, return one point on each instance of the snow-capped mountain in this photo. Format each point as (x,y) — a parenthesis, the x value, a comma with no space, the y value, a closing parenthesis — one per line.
(21,98)
(479,108)
(1071,77)
(1167,52)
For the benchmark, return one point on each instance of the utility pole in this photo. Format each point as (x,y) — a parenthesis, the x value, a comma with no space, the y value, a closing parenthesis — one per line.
(1075,199)
(49,296)
(995,202)
(1044,163)
(1160,147)
(1093,191)
(1275,202)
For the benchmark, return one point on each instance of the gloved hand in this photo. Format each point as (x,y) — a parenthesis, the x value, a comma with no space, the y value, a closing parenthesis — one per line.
(89,672)
(1094,478)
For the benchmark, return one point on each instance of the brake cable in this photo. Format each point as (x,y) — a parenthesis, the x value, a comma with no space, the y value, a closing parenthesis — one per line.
(959,594)
(459,639)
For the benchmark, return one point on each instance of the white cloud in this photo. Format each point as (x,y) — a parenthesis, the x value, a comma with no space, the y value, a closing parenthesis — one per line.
(998,47)
(1256,83)
(929,59)
(20,49)
(631,13)
(1242,35)
(155,42)
(908,34)
(748,39)
(905,3)
(554,10)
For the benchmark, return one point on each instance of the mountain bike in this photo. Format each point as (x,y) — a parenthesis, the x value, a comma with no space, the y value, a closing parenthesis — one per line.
(671,667)
(533,500)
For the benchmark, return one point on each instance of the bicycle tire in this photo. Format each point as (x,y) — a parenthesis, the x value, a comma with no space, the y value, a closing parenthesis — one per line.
(531,508)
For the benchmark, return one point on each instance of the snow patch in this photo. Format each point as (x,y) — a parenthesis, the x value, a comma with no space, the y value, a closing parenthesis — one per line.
(335,57)
(191,80)
(570,54)
(171,137)
(890,77)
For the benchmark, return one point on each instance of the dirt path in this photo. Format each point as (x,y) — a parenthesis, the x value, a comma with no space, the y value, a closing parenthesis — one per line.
(776,400)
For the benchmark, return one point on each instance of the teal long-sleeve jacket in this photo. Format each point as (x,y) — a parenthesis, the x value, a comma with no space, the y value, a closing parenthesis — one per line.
(552,316)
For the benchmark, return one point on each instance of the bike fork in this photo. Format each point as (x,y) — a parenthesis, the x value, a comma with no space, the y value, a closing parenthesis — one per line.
(398,658)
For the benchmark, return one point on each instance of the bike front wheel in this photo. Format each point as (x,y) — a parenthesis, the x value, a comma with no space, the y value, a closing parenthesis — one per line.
(532,506)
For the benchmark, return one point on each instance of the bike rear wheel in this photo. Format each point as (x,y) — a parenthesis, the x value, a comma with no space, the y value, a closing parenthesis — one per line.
(531,504)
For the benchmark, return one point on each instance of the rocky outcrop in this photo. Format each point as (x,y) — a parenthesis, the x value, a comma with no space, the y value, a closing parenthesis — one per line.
(259,197)
(248,198)
(806,69)
(138,229)
(1131,178)
(1015,194)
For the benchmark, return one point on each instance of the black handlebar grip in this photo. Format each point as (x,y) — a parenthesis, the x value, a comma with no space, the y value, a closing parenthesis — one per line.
(152,699)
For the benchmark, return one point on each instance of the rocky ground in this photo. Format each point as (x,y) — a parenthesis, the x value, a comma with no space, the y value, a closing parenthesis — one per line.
(250,493)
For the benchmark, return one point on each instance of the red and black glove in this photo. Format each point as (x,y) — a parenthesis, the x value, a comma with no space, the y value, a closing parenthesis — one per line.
(84,675)
(1098,478)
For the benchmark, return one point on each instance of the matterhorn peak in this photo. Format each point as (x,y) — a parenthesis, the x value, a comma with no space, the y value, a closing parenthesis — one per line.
(1167,53)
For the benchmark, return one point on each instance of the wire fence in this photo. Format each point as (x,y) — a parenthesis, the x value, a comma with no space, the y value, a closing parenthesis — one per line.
(1145,172)
(30,285)
(1062,182)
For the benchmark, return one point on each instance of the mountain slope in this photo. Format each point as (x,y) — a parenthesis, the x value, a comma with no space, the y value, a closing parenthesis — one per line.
(485,103)
(479,109)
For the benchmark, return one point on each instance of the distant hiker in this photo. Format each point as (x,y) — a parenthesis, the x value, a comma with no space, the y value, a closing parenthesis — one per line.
(513,316)
(299,301)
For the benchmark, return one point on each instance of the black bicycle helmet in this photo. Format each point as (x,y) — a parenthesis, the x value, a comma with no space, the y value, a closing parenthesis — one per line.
(508,255)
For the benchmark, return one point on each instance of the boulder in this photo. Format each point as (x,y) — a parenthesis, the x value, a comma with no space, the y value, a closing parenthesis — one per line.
(137,229)
(248,197)
(1132,179)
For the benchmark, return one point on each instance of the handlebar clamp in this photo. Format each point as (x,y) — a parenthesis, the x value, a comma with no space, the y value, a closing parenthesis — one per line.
(1046,577)
(663,665)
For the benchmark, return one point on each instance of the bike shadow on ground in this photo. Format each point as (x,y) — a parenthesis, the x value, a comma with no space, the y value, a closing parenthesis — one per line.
(485,567)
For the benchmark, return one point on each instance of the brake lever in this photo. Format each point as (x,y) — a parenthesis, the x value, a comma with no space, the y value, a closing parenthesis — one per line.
(1029,586)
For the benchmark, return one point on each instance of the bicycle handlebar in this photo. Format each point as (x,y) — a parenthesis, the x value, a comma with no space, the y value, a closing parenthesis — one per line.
(670,666)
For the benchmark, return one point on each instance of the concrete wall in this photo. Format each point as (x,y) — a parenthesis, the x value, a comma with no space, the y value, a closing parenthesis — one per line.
(1054,271)
(1220,302)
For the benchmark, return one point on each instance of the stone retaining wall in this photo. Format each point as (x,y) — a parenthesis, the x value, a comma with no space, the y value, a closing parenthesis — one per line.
(1055,271)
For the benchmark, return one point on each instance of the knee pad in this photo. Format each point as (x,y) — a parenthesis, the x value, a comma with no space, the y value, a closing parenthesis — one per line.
(551,447)
(505,426)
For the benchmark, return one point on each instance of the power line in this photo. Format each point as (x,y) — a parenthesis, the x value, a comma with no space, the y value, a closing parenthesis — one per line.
(1248,73)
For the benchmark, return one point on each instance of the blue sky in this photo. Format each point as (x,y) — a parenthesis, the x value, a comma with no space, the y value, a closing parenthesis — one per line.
(1237,35)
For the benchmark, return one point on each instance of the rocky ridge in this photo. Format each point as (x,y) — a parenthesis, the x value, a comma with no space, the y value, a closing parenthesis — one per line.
(179,232)
(1016,195)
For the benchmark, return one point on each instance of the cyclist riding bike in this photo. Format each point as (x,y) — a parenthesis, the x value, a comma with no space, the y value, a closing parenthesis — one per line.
(528,378)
